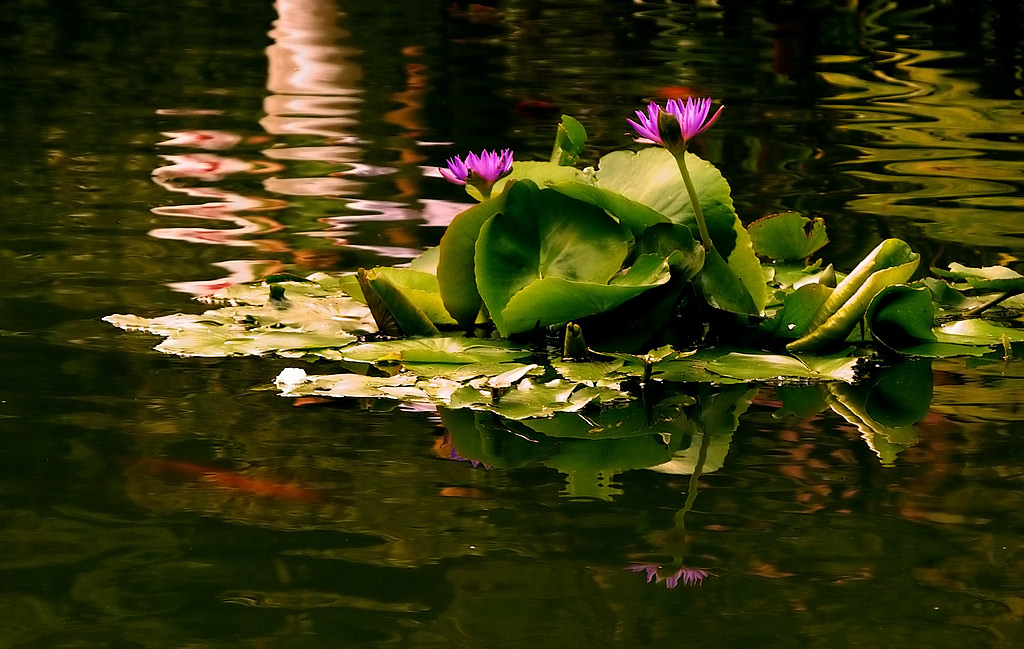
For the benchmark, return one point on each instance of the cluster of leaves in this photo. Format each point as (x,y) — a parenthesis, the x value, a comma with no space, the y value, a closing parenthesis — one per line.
(558,252)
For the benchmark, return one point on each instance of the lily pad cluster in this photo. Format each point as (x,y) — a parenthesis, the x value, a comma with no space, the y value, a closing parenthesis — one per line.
(566,288)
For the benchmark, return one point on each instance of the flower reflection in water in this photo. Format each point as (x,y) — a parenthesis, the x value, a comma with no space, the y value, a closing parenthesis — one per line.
(686,576)
(444,449)
(209,140)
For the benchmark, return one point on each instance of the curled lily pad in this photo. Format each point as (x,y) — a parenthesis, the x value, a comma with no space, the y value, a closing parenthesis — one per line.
(383,295)
(901,317)
(418,286)
(891,262)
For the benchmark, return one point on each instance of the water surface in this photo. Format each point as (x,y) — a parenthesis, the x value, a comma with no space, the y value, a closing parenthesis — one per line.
(155,154)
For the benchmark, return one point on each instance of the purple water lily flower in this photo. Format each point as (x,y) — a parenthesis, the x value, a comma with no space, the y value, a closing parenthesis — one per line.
(485,168)
(675,124)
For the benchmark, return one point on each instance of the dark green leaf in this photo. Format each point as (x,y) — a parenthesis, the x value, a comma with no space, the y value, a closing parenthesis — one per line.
(901,316)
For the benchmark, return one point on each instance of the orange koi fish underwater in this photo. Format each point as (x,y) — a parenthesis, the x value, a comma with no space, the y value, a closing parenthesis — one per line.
(230,480)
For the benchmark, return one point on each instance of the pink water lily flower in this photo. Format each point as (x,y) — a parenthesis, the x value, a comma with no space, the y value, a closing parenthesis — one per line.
(487,167)
(675,124)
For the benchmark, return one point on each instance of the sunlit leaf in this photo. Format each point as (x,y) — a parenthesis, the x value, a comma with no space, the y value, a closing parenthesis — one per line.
(978,332)
(569,142)
(787,237)
(797,312)
(532,399)
(436,349)
(632,214)
(554,300)
(774,367)
(283,325)
(412,319)
(419,287)
(541,173)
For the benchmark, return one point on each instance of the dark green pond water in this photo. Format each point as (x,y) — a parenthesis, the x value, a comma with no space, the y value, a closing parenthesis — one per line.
(155,151)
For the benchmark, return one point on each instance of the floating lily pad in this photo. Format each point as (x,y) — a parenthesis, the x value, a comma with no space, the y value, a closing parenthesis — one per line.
(978,332)
(436,349)
(775,367)
(255,330)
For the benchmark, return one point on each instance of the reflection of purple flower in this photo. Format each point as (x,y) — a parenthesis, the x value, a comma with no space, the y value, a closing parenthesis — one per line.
(649,568)
(445,449)
(487,167)
(676,124)
(689,576)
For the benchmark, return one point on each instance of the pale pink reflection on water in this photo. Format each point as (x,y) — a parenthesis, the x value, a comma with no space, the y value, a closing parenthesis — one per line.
(315,91)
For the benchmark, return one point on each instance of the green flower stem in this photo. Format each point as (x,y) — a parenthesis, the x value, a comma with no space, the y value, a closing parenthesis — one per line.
(698,212)
(483,187)
(691,493)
